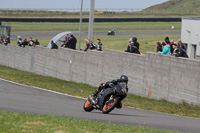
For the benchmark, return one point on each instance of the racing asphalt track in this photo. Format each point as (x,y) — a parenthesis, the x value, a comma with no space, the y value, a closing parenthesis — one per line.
(49,34)
(21,98)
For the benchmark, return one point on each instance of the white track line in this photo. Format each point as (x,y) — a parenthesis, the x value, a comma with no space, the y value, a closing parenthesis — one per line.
(42,89)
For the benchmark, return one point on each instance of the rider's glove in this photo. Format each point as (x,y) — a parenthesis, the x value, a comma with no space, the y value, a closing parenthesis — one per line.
(111,85)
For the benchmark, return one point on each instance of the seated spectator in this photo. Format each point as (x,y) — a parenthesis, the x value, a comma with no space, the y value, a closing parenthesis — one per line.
(71,42)
(159,47)
(100,45)
(166,49)
(53,45)
(24,43)
(37,42)
(19,41)
(180,52)
(133,47)
(89,45)
(31,42)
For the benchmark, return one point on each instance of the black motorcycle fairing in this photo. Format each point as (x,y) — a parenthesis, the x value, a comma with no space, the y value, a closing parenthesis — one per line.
(104,94)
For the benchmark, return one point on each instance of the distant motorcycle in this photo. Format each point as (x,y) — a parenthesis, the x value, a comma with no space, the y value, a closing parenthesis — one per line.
(107,99)
(111,33)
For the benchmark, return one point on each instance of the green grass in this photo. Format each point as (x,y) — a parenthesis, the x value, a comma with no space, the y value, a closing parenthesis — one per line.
(84,90)
(30,123)
(147,42)
(118,26)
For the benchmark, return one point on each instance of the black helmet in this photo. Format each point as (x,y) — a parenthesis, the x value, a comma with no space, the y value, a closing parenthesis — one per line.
(124,78)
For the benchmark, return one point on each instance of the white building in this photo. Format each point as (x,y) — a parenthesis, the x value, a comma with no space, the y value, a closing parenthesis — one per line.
(190,35)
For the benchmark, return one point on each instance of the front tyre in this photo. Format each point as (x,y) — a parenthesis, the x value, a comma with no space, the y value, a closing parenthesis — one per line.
(110,105)
(88,106)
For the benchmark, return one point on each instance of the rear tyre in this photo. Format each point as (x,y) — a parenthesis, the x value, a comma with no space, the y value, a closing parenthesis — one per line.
(110,105)
(88,106)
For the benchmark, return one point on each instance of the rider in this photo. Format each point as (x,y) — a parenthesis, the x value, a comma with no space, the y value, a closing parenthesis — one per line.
(113,30)
(110,84)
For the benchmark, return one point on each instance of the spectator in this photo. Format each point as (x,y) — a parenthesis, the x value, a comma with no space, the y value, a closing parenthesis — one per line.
(53,45)
(100,45)
(180,52)
(6,41)
(167,41)
(19,41)
(37,42)
(89,45)
(166,49)
(31,42)
(65,41)
(174,49)
(1,40)
(171,47)
(24,43)
(129,45)
(182,46)
(72,42)
(133,47)
(159,47)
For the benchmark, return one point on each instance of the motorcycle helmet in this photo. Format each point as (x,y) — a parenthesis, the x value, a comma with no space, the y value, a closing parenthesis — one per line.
(124,78)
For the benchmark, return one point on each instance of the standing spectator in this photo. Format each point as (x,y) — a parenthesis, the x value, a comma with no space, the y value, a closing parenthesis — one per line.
(167,41)
(1,40)
(6,41)
(180,52)
(100,45)
(65,41)
(19,41)
(171,47)
(72,42)
(31,42)
(159,47)
(129,45)
(37,42)
(166,49)
(53,45)
(133,47)
(174,49)
(182,46)
(89,45)
(24,43)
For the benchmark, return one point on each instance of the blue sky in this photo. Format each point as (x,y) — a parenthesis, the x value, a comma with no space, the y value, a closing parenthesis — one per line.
(136,4)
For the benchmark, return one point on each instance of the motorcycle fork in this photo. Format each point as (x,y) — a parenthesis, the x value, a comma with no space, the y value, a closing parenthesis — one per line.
(110,99)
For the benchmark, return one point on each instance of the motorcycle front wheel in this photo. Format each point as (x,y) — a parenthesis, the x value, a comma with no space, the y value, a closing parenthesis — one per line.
(110,105)
(88,106)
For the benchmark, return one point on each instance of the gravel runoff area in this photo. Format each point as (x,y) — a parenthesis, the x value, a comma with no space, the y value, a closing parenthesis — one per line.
(49,34)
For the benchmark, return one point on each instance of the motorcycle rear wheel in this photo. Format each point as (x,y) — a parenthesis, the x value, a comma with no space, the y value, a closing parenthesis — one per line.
(110,105)
(88,106)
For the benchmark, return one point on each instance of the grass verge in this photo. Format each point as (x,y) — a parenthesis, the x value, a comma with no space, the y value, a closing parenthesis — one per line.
(30,123)
(84,90)
(118,26)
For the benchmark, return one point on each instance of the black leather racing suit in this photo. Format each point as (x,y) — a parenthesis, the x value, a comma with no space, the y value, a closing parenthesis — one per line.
(107,85)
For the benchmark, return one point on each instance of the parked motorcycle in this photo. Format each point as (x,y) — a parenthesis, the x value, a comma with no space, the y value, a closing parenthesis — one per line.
(107,99)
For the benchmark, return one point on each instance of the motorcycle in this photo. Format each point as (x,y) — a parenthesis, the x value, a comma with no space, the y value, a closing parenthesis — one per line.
(107,99)
(111,33)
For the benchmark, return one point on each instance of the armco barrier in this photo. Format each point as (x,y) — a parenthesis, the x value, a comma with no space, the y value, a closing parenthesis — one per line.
(87,20)
(150,75)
